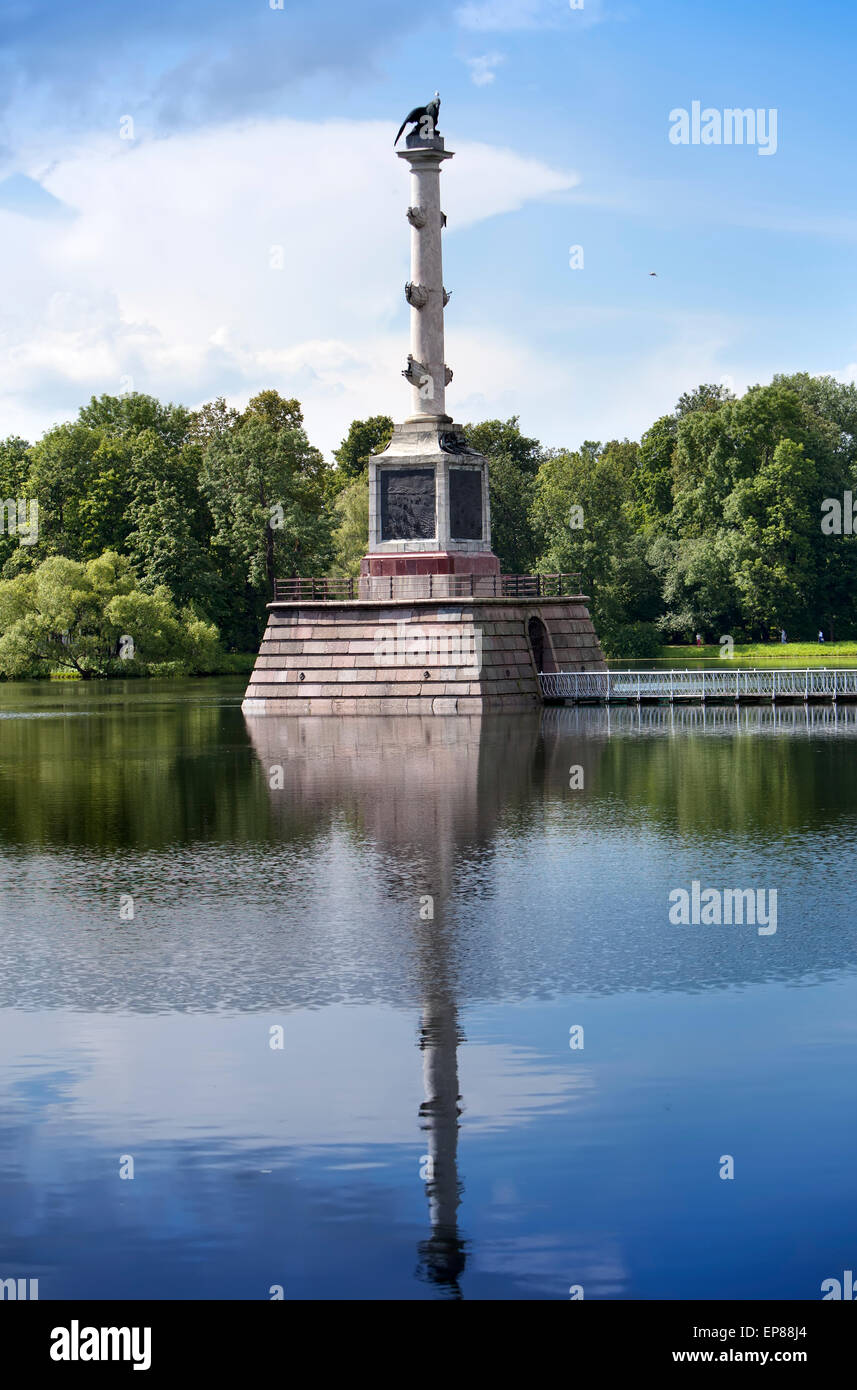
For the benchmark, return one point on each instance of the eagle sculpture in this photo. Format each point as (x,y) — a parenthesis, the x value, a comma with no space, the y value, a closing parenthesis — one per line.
(419,113)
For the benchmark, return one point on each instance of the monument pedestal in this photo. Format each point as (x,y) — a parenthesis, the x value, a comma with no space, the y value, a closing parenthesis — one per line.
(429,515)
(418,656)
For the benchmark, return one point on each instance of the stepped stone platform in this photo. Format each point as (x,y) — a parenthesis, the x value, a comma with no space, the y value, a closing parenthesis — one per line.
(468,655)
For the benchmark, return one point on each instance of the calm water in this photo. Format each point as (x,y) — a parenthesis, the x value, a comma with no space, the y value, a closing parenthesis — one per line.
(425,1130)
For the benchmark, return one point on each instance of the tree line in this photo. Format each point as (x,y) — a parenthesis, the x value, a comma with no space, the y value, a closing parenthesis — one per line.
(729,516)
(713,522)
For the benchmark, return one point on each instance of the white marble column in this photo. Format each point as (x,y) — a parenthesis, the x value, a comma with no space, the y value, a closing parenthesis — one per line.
(425,291)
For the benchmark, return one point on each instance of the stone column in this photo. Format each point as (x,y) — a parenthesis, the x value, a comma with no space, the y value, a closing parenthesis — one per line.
(427,373)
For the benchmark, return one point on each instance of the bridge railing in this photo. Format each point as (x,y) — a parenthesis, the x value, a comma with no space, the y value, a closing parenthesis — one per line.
(772,683)
(407,586)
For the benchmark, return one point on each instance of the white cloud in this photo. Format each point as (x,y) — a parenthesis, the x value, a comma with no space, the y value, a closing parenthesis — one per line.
(577,393)
(488,16)
(848,374)
(164,275)
(482,68)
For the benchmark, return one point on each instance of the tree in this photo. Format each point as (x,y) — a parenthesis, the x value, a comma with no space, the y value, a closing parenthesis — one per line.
(513,461)
(513,536)
(364,438)
(171,526)
(14,466)
(135,412)
(82,479)
(582,509)
(695,575)
(93,620)
(265,485)
(777,524)
(351,537)
(653,477)
(503,439)
(210,421)
(708,396)
(830,401)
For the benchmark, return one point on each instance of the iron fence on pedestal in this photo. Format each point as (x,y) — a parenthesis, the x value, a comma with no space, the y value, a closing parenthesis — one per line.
(409,586)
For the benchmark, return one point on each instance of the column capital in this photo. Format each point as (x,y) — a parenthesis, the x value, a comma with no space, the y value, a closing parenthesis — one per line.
(424,155)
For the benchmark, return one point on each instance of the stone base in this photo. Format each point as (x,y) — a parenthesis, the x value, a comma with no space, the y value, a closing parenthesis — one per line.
(423,656)
(430,562)
(439,445)
(432,574)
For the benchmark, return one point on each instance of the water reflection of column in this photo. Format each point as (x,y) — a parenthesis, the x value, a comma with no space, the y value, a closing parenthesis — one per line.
(426,792)
(442,1256)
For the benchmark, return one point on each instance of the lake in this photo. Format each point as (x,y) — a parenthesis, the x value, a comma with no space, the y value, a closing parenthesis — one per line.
(394,1008)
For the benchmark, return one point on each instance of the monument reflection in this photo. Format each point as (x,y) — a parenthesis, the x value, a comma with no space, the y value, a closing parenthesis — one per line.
(429,794)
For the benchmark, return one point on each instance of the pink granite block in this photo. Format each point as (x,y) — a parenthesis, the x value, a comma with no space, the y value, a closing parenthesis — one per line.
(443,705)
(344,706)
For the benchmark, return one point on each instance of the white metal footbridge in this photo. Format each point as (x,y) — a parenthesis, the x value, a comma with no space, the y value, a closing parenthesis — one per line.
(717,684)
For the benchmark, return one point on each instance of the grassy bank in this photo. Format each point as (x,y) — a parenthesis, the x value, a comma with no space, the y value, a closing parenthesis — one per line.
(764,653)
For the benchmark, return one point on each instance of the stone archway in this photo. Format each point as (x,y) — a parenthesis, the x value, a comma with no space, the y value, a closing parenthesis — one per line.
(540,645)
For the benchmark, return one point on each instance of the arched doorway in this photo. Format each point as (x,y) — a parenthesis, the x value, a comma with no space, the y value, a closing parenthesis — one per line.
(540,645)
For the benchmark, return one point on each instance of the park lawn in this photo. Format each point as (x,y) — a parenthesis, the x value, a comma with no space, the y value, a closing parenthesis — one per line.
(762,653)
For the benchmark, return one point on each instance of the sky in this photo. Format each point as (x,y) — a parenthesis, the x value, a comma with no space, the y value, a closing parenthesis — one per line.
(202,199)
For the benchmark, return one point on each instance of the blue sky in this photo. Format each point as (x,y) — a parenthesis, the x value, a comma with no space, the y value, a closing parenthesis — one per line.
(147,262)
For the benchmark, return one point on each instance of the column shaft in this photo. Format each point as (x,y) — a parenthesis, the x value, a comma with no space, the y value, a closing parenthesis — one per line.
(427,270)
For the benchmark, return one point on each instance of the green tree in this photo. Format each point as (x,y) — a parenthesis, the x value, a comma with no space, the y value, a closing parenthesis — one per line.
(697,586)
(513,462)
(708,396)
(82,480)
(653,476)
(65,614)
(514,537)
(364,438)
(14,468)
(582,509)
(503,439)
(776,519)
(134,413)
(265,485)
(351,536)
(170,536)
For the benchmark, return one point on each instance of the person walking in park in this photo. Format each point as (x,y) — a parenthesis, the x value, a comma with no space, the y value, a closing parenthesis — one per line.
(820,635)
(782,634)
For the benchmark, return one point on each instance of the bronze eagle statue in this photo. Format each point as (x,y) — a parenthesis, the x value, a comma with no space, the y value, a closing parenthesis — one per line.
(419,113)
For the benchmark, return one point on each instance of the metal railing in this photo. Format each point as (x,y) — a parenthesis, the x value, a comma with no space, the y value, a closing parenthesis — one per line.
(407,586)
(325,589)
(812,683)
